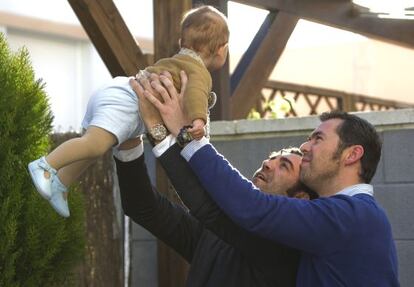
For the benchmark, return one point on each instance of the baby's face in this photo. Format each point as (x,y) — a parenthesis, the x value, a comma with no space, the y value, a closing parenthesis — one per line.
(220,58)
(224,55)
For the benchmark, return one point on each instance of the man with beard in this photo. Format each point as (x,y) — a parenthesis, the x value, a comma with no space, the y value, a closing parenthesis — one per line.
(344,236)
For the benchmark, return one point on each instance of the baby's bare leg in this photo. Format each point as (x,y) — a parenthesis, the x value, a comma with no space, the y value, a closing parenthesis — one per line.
(70,173)
(94,143)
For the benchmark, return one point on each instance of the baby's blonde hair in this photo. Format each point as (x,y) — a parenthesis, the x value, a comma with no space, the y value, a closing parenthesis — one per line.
(204,30)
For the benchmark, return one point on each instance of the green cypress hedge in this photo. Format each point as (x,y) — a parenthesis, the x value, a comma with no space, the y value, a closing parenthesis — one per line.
(37,246)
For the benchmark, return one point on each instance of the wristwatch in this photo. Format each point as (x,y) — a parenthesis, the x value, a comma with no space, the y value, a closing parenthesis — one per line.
(184,137)
(157,133)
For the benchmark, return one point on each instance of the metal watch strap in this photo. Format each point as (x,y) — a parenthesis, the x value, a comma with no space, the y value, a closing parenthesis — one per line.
(184,136)
(156,134)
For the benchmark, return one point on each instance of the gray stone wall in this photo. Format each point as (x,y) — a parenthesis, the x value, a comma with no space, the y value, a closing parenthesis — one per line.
(246,143)
(394,189)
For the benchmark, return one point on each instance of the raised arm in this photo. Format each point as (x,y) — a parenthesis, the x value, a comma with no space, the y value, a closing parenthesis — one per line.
(305,225)
(258,250)
(302,224)
(189,188)
(168,222)
(181,176)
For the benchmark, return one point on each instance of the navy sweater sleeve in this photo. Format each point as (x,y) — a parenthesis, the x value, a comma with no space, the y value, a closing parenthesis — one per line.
(167,221)
(316,226)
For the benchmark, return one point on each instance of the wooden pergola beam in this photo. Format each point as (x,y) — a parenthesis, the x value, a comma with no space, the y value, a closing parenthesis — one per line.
(167,19)
(277,28)
(341,14)
(110,36)
(221,77)
(172,269)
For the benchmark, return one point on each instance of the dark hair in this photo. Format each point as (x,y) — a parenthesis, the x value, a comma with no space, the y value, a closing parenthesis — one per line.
(300,186)
(291,149)
(357,131)
(204,29)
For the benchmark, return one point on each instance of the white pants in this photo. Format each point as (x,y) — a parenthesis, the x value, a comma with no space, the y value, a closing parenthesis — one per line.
(114,108)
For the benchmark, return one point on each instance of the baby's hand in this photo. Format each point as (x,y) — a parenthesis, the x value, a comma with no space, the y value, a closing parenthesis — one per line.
(197,130)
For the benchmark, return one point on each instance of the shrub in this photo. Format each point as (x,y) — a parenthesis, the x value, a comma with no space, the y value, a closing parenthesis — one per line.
(37,246)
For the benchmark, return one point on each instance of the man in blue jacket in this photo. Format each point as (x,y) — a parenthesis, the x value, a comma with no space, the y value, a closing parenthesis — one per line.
(344,236)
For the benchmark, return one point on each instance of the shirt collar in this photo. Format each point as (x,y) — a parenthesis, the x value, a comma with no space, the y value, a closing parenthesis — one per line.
(357,189)
(192,54)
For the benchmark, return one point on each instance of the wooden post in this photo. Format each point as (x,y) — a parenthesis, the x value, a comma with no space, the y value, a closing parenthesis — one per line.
(348,103)
(221,78)
(172,269)
(167,19)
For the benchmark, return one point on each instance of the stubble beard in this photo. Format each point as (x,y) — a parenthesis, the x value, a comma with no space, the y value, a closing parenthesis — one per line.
(319,178)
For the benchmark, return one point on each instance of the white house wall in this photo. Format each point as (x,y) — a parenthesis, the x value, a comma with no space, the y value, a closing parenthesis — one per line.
(70,68)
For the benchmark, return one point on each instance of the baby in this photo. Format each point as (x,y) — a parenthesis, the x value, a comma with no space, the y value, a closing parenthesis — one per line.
(112,115)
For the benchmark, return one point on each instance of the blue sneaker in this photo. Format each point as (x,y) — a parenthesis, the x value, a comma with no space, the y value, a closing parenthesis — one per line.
(57,200)
(43,185)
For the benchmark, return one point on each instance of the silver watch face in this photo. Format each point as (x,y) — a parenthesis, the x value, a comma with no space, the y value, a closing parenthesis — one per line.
(184,136)
(158,132)
(187,137)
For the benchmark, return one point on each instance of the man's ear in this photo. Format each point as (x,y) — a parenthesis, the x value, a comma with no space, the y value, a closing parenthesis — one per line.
(223,50)
(353,154)
(301,195)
